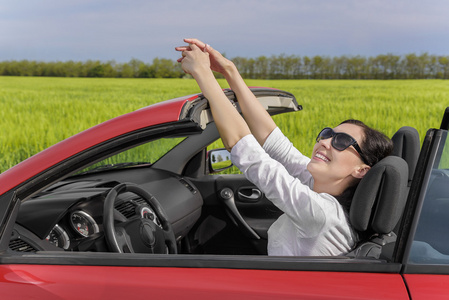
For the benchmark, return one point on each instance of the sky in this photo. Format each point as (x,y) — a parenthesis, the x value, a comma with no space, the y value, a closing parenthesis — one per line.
(120,30)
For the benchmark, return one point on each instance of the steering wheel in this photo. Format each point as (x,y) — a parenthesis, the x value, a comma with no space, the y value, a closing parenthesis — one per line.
(137,235)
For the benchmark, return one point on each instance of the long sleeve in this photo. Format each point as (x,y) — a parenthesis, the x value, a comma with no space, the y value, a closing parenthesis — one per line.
(312,224)
(279,147)
(288,193)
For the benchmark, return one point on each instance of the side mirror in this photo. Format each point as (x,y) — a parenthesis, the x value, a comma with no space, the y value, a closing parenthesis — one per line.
(219,160)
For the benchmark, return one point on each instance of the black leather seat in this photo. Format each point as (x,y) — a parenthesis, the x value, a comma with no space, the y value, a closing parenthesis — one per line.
(407,145)
(377,206)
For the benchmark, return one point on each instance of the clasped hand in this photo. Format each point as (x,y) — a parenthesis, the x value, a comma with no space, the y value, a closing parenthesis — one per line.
(200,55)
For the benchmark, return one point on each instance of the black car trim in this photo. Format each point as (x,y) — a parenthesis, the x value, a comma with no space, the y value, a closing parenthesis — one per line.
(330,264)
(413,201)
(427,269)
(176,159)
(9,205)
(445,121)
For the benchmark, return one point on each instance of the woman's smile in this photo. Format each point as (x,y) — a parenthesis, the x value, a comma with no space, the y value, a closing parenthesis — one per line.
(320,156)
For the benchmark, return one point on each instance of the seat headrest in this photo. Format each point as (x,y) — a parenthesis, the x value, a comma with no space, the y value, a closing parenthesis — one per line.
(380,197)
(407,145)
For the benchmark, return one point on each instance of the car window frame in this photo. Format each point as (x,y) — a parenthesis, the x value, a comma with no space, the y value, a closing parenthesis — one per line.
(430,156)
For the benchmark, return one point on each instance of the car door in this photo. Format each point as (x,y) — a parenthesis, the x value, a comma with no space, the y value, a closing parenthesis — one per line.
(72,281)
(426,250)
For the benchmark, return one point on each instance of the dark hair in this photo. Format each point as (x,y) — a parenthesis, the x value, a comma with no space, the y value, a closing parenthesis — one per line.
(375,146)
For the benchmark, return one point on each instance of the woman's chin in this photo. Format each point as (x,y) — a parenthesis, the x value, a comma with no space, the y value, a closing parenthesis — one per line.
(313,167)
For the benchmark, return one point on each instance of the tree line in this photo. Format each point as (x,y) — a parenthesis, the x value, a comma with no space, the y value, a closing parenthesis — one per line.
(389,66)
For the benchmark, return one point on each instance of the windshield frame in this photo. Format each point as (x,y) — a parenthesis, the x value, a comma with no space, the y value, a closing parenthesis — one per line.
(138,156)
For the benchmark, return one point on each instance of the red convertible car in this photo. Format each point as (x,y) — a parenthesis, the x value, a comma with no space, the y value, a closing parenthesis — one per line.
(135,208)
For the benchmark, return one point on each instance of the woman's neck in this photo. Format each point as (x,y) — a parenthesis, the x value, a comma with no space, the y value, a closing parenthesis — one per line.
(335,188)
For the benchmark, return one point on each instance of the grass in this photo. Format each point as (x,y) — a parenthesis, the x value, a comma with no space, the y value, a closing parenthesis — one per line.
(38,112)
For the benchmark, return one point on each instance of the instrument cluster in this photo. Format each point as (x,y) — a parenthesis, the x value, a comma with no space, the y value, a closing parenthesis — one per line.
(81,224)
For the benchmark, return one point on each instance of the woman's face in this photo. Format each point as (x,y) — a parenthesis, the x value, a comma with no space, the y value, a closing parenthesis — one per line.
(331,166)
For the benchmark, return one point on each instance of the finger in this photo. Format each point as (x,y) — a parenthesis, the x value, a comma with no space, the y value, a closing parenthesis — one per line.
(199,43)
(194,47)
(210,49)
(182,48)
(196,42)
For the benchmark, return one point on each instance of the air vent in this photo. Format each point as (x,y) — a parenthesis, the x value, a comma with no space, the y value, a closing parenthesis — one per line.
(21,246)
(128,208)
(140,201)
(187,185)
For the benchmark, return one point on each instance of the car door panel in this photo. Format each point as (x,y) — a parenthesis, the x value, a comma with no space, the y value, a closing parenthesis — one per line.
(258,214)
(251,205)
(249,209)
(236,213)
(425,286)
(111,282)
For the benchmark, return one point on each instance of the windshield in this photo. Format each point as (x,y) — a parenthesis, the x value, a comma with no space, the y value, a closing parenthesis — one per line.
(145,154)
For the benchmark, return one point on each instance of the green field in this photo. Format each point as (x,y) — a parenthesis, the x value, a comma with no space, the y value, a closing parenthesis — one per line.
(37,112)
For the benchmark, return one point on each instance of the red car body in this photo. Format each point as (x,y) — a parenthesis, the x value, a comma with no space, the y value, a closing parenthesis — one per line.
(99,274)
(170,283)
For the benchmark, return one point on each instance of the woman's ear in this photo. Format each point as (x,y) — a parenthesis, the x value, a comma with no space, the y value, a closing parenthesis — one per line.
(360,171)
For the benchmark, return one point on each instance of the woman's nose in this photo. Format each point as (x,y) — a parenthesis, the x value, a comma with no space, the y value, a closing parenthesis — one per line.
(325,143)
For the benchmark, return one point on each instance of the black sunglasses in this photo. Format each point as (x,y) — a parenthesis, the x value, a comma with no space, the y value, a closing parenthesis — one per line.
(340,141)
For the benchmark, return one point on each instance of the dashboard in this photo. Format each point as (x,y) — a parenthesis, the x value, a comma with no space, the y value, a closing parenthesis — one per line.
(68,216)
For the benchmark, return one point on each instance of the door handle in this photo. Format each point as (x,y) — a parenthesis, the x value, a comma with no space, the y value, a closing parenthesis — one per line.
(227,195)
(253,196)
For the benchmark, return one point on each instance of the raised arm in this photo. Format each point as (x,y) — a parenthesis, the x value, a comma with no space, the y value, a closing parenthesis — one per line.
(231,126)
(259,121)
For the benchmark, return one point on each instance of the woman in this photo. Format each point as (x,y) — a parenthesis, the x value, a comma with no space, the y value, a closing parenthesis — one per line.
(315,193)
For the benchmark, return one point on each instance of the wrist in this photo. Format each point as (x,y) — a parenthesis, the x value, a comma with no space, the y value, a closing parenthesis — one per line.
(201,72)
(230,70)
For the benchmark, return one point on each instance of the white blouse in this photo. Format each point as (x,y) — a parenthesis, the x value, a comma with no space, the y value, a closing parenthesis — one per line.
(313,223)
